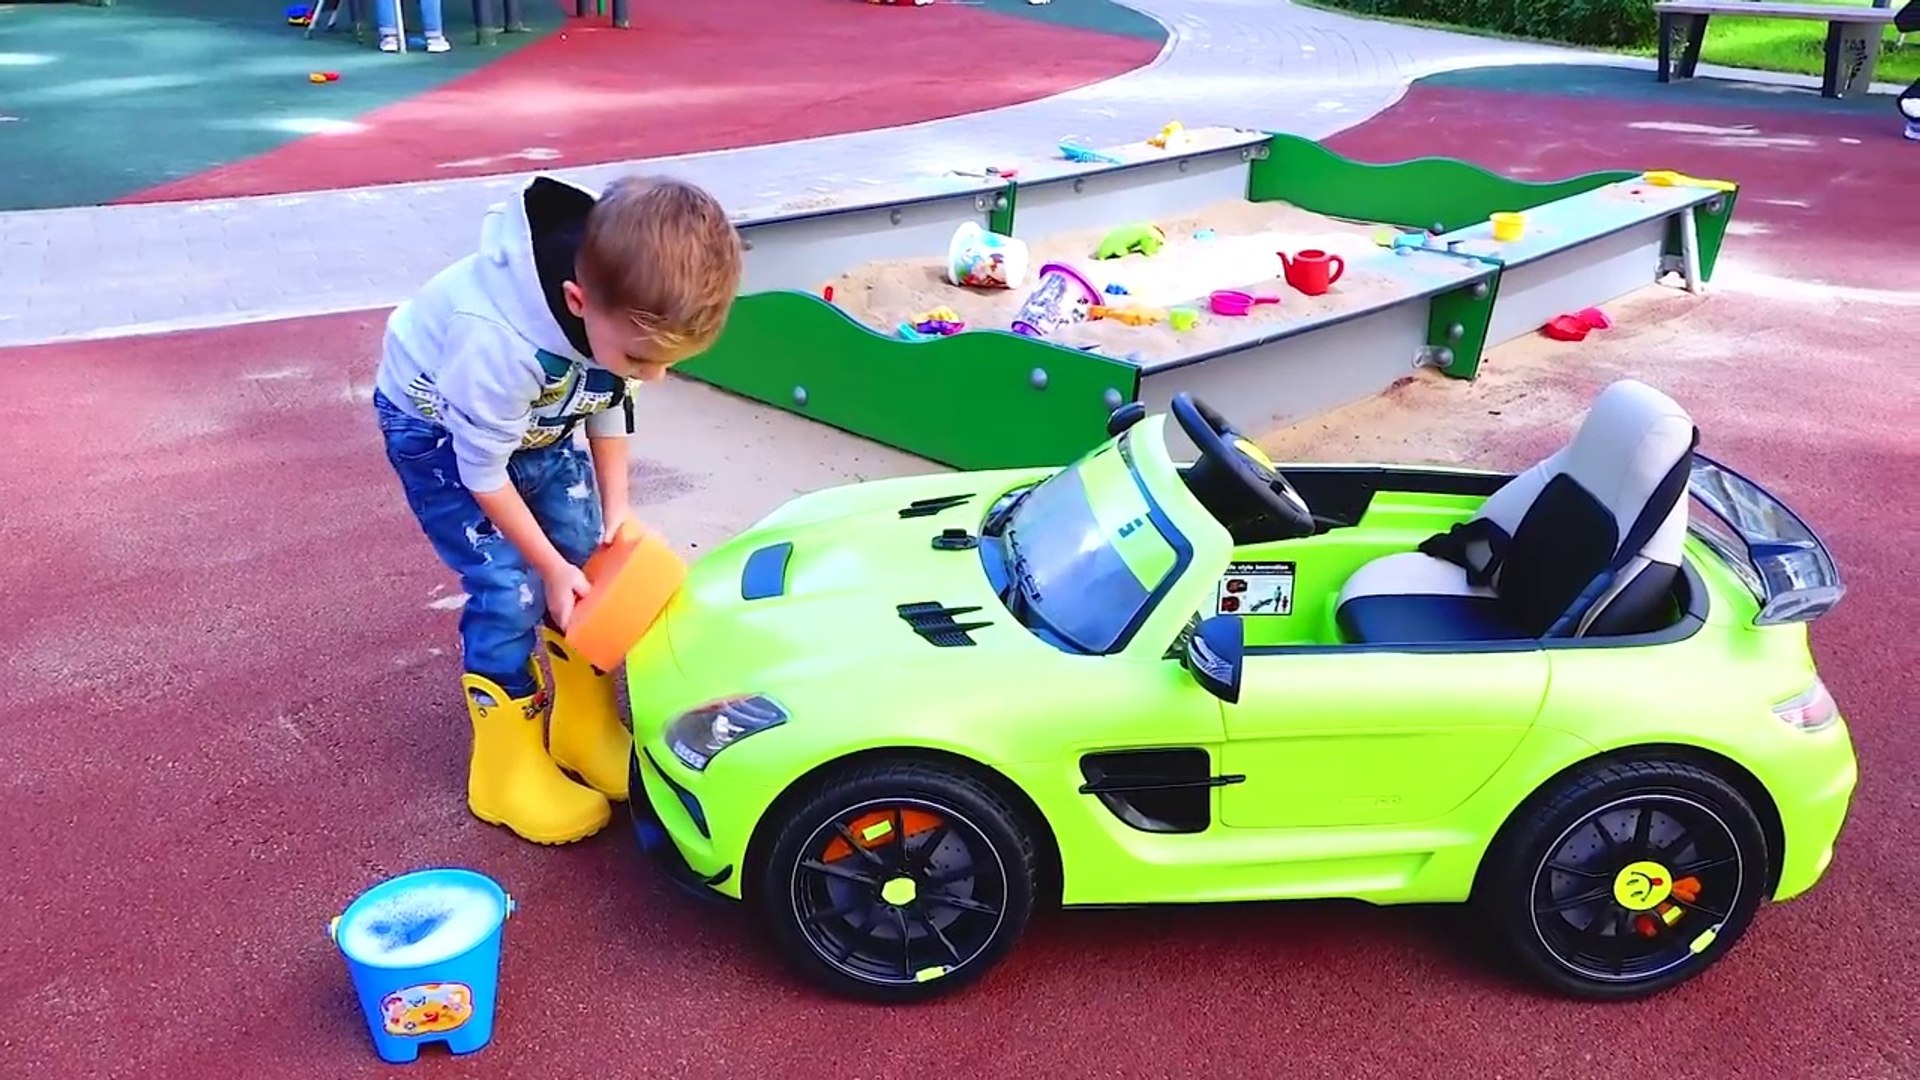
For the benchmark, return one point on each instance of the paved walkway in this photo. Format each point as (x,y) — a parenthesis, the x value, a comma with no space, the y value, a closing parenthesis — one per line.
(91,272)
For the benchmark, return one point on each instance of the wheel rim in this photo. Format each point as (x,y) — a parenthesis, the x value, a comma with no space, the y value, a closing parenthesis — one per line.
(899,891)
(1637,888)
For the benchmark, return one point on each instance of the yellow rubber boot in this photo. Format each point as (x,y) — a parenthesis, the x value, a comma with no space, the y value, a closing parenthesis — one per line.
(586,735)
(510,779)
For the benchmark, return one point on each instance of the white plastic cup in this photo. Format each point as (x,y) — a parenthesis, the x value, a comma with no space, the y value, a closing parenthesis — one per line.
(985,260)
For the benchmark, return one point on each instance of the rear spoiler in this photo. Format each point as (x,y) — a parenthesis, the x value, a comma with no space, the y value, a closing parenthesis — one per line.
(1783,563)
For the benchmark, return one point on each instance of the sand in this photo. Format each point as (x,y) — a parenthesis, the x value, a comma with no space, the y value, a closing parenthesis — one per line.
(1240,255)
(1530,384)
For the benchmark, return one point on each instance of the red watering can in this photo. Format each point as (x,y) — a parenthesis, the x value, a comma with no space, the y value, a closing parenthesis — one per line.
(1312,271)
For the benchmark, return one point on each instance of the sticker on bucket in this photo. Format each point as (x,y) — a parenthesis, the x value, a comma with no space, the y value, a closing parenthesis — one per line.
(985,260)
(427,1008)
(1061,296)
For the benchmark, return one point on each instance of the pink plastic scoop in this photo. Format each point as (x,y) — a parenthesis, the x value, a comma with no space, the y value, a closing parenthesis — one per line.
(1234,302)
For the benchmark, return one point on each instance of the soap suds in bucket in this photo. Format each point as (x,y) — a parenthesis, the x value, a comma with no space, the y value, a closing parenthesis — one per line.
(422,925)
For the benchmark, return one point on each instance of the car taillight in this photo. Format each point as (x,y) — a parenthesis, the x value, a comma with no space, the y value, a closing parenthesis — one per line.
(1810,710)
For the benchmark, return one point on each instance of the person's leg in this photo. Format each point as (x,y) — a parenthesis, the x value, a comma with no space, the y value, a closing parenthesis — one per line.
(511,779)
(586,734)
(386,16)
(433,27)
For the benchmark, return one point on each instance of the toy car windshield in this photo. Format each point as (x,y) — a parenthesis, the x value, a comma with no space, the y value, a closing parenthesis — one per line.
(1783,563)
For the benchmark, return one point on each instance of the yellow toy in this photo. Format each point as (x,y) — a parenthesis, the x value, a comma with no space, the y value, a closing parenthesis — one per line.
(1171,135)
(1134,315)
(1669,178)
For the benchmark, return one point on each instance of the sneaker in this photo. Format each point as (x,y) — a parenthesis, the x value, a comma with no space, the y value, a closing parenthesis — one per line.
(1913,130)
(389,42)
(437,43)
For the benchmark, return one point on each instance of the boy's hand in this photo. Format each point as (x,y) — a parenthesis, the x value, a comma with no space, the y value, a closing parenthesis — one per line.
(566,585)
(614,518)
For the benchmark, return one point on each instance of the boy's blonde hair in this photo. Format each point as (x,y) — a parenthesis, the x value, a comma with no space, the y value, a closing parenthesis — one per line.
(662,252)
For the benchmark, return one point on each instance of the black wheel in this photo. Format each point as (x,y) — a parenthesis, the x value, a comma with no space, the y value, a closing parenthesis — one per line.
(1625,879)
(896,882)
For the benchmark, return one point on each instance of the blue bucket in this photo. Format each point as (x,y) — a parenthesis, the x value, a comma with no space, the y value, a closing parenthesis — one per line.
(424,953)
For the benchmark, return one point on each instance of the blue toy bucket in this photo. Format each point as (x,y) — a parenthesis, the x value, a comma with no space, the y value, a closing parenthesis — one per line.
(424,953)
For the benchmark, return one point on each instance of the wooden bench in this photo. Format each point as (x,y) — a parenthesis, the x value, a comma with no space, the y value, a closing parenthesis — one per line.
(1853,37)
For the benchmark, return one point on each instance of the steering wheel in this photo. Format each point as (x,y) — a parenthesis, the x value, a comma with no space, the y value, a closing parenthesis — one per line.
(1236,480)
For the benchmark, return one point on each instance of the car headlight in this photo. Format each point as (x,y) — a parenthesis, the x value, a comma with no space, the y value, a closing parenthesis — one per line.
(698,734)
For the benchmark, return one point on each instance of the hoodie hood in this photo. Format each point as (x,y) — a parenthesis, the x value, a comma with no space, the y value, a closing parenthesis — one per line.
(527,245)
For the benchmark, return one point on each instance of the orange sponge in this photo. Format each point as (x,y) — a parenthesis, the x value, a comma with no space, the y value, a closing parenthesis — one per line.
(633,576)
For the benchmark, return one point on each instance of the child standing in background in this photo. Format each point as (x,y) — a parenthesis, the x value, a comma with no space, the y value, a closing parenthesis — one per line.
(430,24)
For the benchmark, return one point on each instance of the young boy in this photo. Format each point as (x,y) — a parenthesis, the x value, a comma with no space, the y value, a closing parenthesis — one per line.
(570,303)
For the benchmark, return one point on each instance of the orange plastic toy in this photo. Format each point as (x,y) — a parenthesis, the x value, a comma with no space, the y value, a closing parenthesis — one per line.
(633,576)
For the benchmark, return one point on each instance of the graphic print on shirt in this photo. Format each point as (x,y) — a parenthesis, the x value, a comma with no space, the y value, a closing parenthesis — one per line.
(569,393)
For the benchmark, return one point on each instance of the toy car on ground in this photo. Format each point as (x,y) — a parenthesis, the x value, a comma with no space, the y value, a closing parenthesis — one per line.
(892,717)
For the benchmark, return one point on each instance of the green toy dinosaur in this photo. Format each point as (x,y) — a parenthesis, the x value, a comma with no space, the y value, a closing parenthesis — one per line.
(1145,239)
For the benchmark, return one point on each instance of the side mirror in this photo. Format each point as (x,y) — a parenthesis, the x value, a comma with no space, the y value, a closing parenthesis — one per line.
(1125,417)
(1215,650)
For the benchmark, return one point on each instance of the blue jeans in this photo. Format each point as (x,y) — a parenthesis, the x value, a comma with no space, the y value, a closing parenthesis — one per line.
(430,23)
(506,600)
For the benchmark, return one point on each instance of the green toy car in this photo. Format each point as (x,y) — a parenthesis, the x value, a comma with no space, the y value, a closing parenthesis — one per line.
(892,717)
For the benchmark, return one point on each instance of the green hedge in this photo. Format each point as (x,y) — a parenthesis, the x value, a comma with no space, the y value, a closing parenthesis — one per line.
(1578,22)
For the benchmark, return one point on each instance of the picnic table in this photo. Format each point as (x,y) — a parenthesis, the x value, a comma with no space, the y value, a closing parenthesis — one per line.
(1853,36)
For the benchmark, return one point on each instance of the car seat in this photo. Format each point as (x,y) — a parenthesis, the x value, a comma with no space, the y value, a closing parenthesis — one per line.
(1587,542)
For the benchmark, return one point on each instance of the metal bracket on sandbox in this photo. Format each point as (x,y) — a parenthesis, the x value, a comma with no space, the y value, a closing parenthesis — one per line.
(988,398)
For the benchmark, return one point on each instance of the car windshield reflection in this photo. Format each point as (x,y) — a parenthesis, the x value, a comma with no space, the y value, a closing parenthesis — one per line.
(1085,555)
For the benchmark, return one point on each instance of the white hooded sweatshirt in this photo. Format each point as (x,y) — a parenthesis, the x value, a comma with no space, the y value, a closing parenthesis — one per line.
(488,349)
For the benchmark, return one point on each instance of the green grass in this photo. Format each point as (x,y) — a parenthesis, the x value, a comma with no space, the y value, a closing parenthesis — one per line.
(1789,46)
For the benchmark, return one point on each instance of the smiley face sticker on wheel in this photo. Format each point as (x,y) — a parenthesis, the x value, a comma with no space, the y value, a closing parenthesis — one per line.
(1642,886)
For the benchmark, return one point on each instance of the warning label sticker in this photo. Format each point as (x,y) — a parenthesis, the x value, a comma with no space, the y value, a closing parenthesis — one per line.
(1255,588)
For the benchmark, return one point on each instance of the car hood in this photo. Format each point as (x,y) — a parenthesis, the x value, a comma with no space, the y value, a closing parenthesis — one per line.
(850,577)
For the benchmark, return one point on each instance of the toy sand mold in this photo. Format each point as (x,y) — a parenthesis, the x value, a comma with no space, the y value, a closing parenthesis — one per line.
(1439,288)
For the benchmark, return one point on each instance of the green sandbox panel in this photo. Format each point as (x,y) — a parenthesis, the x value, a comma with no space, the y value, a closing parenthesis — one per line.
(968,401)
(1418,194)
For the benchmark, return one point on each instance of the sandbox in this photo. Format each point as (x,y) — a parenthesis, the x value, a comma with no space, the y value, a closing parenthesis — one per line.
(1428,282)
(1231,244)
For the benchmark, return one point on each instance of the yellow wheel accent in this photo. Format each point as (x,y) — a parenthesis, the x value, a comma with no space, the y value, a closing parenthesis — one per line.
(1642,886)
(899,892)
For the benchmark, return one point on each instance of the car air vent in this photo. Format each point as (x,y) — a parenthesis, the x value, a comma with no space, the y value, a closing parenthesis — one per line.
(1158,791)
(935,622)
(930,507)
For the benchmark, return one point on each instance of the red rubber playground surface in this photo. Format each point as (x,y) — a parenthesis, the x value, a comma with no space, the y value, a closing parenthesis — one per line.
(691,77)
(222,723)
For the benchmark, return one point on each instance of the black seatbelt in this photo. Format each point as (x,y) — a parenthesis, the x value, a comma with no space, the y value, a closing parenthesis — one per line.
(1457,546)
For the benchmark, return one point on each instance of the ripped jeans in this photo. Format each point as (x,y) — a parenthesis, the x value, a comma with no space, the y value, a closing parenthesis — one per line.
(506,600)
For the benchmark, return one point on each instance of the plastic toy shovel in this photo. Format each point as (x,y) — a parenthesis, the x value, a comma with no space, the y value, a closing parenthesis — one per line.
(1234,302)
(633,576)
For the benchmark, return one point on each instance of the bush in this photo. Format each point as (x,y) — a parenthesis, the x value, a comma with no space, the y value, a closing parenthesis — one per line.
(1576,22)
